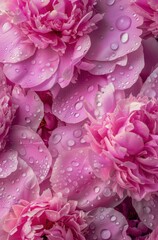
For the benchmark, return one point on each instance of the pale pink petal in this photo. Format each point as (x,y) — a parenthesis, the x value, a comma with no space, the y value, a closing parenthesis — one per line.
(8,163)
(150,87)
(66,138)
(124,77)
(31,148)
(21,184)
(35,70)
(118,28)
(107,223)
(68,106)
(73,176)
(12,47)
(107,67)
(150,47)
(147,211)
(30,108)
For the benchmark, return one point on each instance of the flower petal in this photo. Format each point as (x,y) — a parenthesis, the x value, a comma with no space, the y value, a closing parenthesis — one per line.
(12,46)
(35,70)
(147,211)
(21,184)
(68,106)
(31,149)
(118,28)
(30,111)
(107,223)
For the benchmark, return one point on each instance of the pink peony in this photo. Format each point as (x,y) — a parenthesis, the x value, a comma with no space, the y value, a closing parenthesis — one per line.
(24,159)
(46,34)
(53,217)
(7,110)
(47,42)
(45,218)
(124,135)
(148,10)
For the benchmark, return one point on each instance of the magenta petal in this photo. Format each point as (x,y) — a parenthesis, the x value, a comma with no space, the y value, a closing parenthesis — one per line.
(30,111)
(106,67)
(35,70)
(21,184)
(124,77)
(117,34)
(107,223)
(68,106)
(73,176)
(147,211)
(66,138)
(31,149)
(12,48)
(150,87)
(8,163)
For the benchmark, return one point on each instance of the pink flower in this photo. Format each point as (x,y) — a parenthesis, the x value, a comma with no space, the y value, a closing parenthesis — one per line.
(7,110)
(24,159)
(53,217)
(124,135)
(40,37)
(47,43)
(45,218)
(148,9)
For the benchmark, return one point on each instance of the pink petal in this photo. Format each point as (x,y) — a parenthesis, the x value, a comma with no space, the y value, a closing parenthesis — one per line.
(73,176)
(21,184)
(107,223)
(8,163)
(150,47)
(12,48)
(35,70)
(150,87)
(147,211)
(124,77)
(106,67)
(66,138)
(30,111)
(118,28)
(31,149)
(68,106)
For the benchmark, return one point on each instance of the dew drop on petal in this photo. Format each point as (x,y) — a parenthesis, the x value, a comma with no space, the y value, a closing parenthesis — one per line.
(56,138)
(105,234)
(6,27)
(124,37)
(114,46)
(123,23)
(110,2)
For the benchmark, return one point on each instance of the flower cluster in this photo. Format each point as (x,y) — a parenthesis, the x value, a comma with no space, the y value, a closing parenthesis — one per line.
(79,119)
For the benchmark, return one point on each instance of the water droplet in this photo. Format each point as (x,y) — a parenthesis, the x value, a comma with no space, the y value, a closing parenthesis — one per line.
(96,189)
(90,88)
(27,108)
(113,218)
(107,192)
(6,27)
(77,115)
(79,48)
(114,46)
(147,209)
(124,37)
(78,105)
(77,133)
(40,149)
(75,164)
(110,2)
(105,234)
(123,23)
(27,120)
(71,143)
(69,169)
(56,138)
